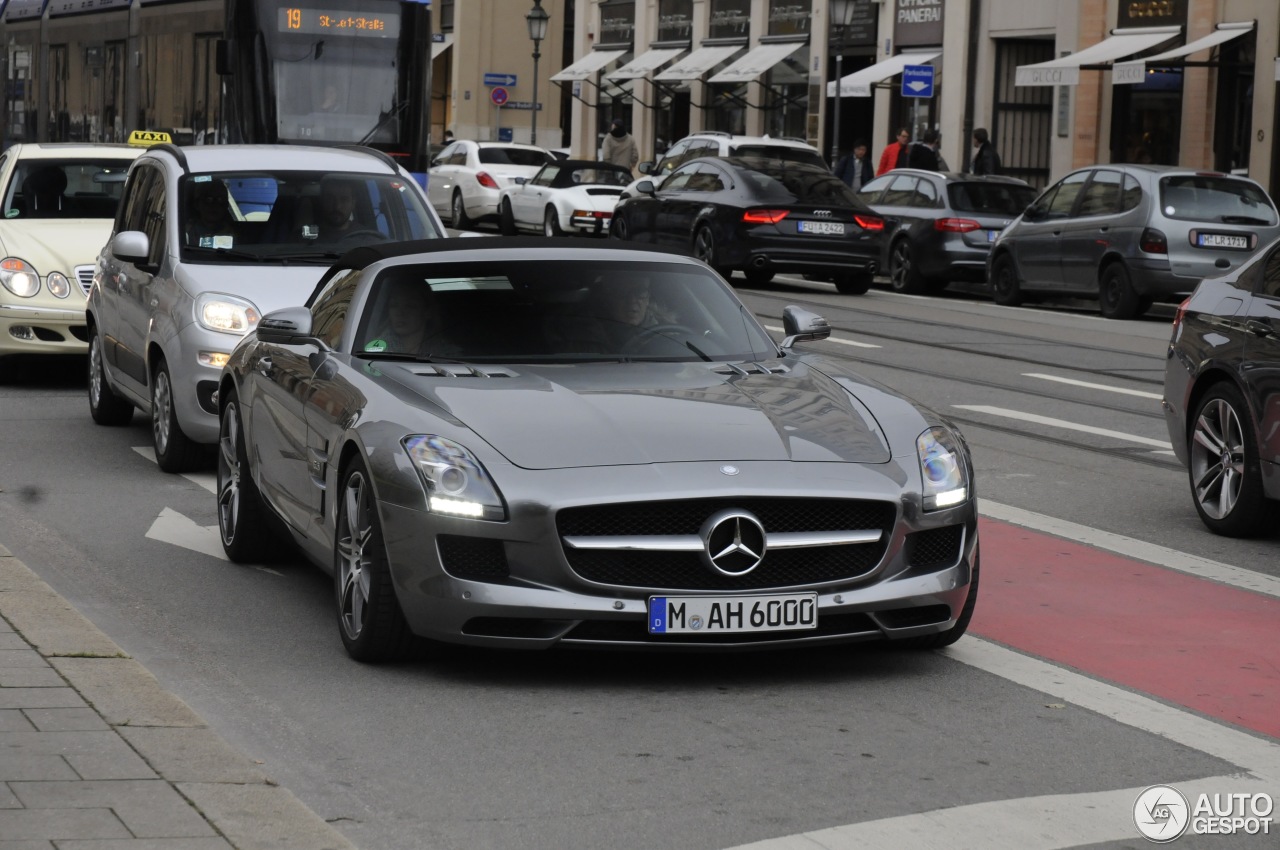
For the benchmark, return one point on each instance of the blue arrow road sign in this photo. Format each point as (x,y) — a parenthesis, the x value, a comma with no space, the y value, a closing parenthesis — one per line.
(499,79)
(917,81)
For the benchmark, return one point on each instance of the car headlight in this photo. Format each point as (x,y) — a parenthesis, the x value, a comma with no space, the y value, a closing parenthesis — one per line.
(457,484)
(226,314)
(18,277)
(946,480)
(57,284)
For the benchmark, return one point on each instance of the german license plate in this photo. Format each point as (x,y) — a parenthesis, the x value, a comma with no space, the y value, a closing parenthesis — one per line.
(824,228)
(993,235)
(1221,240)
(732,614)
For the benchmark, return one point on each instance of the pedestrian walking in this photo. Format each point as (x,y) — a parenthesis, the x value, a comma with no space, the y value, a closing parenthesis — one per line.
(895,155)
(924,154)
(619,146)
(986,160)
(855,168)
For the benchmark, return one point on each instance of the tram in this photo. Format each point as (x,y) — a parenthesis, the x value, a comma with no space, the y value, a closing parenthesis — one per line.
(210,71)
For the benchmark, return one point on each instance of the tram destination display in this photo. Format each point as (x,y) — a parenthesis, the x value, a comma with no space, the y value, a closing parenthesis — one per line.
(293,19)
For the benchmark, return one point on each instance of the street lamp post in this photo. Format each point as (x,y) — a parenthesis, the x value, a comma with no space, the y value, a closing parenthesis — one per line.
(537,21)
(840,15)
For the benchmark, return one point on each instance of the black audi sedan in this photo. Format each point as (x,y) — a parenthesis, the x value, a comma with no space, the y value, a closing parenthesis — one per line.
(1222,396)
(759,216)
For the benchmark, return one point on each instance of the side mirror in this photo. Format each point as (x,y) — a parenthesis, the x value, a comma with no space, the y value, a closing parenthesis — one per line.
(645,187)
(131,246)
(289,326)
(645,167)
(800,325)
(1035,212)
(520,181)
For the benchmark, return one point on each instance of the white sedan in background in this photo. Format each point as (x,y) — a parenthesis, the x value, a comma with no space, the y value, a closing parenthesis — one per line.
(568,196)
(464,179)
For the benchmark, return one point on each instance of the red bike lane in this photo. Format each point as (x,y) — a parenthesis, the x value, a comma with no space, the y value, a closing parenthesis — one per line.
(1186,640)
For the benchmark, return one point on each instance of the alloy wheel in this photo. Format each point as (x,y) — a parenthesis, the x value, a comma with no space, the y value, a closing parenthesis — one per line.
(355,531)
(1217,458)
(161,409)
(229,474)
(704,246)
(95,370)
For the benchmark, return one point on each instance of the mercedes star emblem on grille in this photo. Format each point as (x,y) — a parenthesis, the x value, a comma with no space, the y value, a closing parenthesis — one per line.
(733,542)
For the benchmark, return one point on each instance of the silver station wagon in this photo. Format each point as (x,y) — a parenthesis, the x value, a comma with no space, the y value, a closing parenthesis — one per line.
(1130,235)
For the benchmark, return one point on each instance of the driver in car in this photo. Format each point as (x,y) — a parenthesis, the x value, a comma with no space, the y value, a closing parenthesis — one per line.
(617,315)
(338,218)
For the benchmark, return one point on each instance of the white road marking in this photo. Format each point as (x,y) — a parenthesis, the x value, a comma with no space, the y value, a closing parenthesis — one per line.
(1139,550)
(1062,423)
(1059,820)
(207,480)
(854,343)
(179,530)
(1088,385)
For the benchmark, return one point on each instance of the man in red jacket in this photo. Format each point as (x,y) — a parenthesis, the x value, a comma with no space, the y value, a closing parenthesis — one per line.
(895,155)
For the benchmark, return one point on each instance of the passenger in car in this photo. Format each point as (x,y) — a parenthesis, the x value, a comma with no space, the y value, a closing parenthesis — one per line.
(410,322)
(210,222)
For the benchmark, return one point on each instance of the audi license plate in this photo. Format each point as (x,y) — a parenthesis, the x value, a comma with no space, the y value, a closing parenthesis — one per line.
(1221,240)
(824,228)
(691,615)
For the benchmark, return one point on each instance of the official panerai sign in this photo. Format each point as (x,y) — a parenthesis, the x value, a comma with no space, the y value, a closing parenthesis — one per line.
(917,22)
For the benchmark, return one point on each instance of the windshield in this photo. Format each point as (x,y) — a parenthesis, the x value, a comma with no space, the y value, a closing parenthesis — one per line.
(776,184)
(991,198)
(594,175)
(557,311)
(295,215)
(1210,198)
(83,188)
(514,156)
(781,152)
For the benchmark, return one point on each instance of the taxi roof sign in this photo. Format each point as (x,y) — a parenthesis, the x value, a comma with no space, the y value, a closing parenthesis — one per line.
(146,138)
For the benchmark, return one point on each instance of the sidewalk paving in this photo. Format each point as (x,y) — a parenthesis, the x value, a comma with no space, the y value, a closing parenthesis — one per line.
(96,755)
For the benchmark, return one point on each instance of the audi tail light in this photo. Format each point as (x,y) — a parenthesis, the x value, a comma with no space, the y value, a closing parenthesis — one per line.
(763,216)
(869,222)
(486,181)
(1153,242)
(956,225)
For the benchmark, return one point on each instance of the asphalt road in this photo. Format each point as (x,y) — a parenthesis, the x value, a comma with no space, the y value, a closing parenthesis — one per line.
(584,750)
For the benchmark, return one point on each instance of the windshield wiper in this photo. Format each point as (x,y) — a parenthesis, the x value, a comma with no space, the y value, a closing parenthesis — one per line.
(1243,219)
(404,357)
(327,256)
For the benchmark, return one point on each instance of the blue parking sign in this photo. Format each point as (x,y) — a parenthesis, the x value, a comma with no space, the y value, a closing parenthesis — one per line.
(917,81)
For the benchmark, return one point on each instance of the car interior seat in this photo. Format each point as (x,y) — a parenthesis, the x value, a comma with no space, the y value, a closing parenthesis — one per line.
(42,191)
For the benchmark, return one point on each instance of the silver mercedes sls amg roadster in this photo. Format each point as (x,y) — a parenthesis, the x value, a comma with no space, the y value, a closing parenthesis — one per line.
(508,443)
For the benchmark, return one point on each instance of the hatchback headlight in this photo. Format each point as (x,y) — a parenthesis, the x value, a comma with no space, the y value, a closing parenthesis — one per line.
(457,484)
(946,479)
(57,284)
(18,277)
(226,314)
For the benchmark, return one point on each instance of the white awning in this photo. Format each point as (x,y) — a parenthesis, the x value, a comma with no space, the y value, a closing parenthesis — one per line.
(1065,71)
(699,62)
(438,47)
(756,62)
(859,83)
(588,65)
(645,63)
(1123,73)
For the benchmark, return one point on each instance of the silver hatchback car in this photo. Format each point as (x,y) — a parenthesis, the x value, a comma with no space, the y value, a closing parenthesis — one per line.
(207,240)
(1129,235)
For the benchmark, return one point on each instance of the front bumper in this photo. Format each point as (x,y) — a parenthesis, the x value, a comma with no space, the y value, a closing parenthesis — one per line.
(27,329)
(194,382)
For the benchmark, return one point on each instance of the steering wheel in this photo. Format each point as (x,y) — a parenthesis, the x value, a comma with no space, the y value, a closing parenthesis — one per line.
(646,335)
(366,232)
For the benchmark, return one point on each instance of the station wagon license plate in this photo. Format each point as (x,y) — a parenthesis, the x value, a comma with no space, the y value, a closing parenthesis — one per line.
(731,614)
(825,228)
(1221,240)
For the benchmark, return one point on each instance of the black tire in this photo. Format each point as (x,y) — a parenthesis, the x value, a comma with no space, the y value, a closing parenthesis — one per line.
(853,283)
(551,223)
(1223,467)
(1005,289)
(105,406)
(458,213)
(175,451)
(759,277)
(704,248)
(904,274)
(507,219)
(619,229)
(242,517)
(1116,296)
(370,621)
(961,626)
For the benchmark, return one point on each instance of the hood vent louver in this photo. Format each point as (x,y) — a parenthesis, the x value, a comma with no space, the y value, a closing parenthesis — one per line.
(461,370)
(751,369)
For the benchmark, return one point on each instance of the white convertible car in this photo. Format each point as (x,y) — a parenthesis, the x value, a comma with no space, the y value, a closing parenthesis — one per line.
(59,202)
(570,196)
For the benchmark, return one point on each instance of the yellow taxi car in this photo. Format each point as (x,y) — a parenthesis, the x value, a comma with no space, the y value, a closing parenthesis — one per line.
(56,213)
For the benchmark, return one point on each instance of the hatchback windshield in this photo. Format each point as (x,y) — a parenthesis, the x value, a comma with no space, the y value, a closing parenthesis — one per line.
(1196,197)
(46,188)
(295,215)
(993,198)
(780,152)
(514,156)
(557,311)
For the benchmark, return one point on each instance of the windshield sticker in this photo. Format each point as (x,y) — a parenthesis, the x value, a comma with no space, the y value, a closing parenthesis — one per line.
(12,213)
(202,178)
(218,242)
(376,345)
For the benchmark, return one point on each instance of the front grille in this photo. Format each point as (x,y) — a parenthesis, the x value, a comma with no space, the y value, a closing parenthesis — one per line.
(934,548)
(474,558)
(616,631)
(686,570)
(84,276)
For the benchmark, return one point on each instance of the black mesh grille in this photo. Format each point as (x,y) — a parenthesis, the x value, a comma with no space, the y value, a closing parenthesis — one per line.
(934,548)
(475,558)
(902,618)
(635,632)
(685,570)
